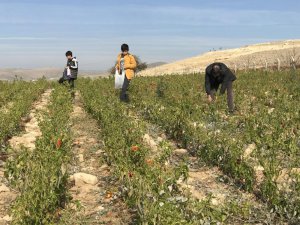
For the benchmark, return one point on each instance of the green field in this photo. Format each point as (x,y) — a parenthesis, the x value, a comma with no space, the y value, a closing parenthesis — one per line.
(257,148)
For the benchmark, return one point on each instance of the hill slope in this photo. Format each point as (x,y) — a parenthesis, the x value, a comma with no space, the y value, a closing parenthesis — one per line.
(249,56)
(36,73)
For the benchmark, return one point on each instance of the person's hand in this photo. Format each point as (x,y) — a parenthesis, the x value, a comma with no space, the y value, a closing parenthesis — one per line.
(209,98)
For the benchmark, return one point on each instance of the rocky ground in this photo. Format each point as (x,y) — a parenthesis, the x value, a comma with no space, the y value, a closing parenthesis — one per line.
(26,139)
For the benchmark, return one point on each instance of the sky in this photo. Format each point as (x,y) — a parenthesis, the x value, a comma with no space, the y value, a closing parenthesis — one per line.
(37,33)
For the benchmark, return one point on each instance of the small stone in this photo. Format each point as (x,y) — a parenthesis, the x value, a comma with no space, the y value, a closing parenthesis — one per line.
(181,152)
(167,163)
(296,171)
(81,150)
(259,168)
(216,201)
(2,163)
(73,206)
(81,158)
(285,175)
(180,180)
(270,110)
(76,143)
(147,138)
(104,167)
(3,188)
(100,208)
(71,178)
(26,119)
(259,174)
(149,141)
(106,200)
(160,139)
(249,149)
(99,152)
(85,178)
(7,218)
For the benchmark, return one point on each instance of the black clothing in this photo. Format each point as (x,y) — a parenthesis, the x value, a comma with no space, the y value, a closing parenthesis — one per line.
(73,65)
(124,96)
(213,82)
(70,81)
(230,102)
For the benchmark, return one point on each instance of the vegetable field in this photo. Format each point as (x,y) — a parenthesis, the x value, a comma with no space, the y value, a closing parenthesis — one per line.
(155,146)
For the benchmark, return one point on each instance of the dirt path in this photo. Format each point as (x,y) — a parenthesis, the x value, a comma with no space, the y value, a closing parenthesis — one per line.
(93,188)
(204,182)
(31,126)
(26,139)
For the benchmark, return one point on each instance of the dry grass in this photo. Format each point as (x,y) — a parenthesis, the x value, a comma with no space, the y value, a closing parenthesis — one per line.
(247,56)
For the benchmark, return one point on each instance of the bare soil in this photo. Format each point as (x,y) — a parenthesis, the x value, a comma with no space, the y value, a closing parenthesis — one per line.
(98,203)
(26,139)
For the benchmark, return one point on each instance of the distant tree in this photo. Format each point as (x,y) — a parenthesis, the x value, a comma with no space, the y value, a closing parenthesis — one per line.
(140,65)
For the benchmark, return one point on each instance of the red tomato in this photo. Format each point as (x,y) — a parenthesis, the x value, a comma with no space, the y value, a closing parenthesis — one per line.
(58,143)
(135,148)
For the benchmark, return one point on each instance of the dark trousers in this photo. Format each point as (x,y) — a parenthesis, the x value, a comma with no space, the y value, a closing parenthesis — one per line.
(230,99)
(70,81)
(124,96)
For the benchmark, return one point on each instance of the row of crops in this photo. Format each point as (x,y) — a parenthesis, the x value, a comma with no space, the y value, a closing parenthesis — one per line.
(16,99)
(258,146)
(39,175)
(267,118)
(148,185)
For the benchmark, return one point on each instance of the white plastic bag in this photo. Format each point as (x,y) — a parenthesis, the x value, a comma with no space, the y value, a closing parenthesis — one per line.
(68,72)
(119,79)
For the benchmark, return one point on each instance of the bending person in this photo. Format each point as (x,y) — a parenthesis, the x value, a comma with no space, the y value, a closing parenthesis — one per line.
(218,74)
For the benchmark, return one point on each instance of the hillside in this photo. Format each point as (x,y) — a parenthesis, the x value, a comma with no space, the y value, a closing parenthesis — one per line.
(49,73)
(253,56)
(156,64)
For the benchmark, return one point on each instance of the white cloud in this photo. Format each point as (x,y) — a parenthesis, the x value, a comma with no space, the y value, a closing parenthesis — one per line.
(156,33)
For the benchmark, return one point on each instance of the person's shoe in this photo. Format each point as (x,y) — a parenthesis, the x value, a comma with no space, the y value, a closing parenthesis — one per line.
(231,112)
(125,101)
(122,100)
